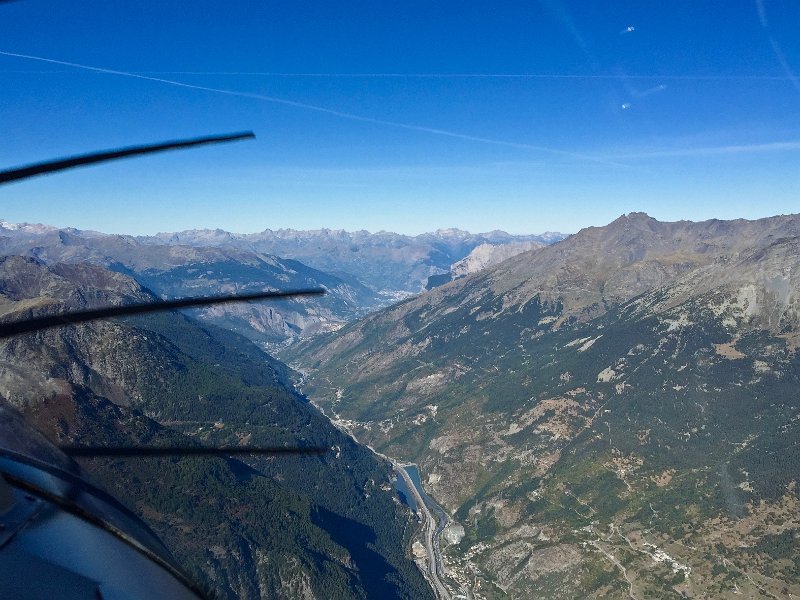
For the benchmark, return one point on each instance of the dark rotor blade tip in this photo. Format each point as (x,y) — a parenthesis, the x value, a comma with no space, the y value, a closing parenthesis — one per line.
(51,166)
(140,452)
(82,316)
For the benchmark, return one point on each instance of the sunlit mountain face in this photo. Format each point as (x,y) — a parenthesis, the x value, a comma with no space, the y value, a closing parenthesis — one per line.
(613,413)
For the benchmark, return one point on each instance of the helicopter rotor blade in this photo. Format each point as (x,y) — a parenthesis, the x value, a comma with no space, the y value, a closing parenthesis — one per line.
(81,160)
(82,316)
(139,452)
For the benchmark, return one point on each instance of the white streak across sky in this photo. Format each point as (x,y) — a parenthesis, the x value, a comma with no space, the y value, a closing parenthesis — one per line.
(608,159)
(578,76)
(444,115)
(776,47)
(649,91)
(319,109)
(790,146)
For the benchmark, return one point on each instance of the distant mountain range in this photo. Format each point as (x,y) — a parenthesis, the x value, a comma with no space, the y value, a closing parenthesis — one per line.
(176,271)
(388,263)
(614,415)
(360,271)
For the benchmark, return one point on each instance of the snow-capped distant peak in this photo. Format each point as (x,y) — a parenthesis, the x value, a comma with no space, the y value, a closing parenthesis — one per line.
(451,232)
(10,226)
(35,228)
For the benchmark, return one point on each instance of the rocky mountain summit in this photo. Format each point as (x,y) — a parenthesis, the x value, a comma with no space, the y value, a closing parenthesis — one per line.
(486,255)
(481,257)
(306,527)
(614,415)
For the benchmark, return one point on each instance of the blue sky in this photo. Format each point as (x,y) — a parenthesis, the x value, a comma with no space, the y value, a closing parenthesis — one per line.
(523,116)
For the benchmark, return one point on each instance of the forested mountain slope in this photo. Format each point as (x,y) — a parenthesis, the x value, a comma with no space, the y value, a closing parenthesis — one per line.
(306,527)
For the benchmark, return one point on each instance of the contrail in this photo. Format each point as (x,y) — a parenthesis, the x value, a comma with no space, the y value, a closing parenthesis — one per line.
(790,146)
(650,91)
(776,48)
(784,63)
(577,76)
(474,75)
(762,13)
(319,109)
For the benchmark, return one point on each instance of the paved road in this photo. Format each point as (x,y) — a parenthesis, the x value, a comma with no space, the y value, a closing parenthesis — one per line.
(431,533)
(430,525)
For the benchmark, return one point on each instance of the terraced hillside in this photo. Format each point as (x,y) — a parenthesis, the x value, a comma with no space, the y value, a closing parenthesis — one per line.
(612,416)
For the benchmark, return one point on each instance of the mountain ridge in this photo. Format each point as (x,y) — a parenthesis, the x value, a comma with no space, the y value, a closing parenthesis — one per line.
(398,263)
(178,271)
(626,396)
(361,271)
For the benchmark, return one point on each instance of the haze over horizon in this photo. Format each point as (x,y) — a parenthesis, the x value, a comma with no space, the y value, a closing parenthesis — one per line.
(538,117)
